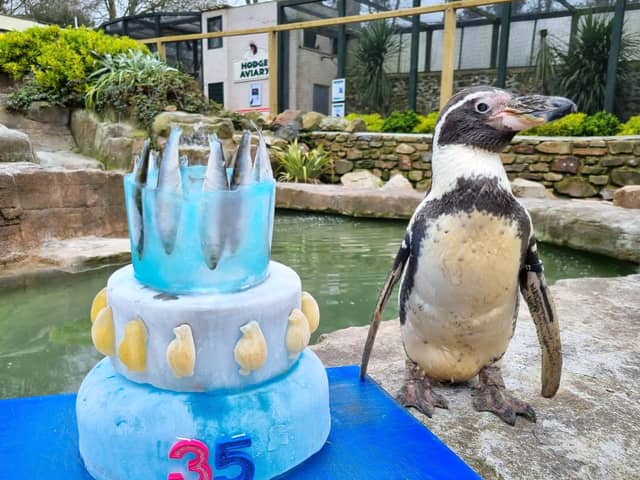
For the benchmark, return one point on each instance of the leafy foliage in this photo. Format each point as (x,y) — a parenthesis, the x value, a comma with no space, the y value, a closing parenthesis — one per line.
(579,125)
(631,126)
(59,61)
(373,121)
(374,47)
(400,121)
(427,124)
(601,123)
(583,68)
(297,164)
(142,84)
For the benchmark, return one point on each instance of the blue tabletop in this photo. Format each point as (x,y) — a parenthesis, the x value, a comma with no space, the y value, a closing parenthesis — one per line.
(371,437)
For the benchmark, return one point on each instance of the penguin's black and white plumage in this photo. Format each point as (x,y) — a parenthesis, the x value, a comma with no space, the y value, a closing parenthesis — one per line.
(468,249)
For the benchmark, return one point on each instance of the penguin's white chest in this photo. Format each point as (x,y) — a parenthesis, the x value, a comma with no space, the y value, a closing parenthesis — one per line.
(460,311)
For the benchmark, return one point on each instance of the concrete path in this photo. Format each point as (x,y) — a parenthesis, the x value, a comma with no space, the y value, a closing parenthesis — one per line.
(589,430)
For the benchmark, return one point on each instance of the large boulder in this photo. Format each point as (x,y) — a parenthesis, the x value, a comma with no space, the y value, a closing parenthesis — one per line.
(44,112)
(286,117)
(334,124)
(192,124)
(360,179)
(627,197)
(356,125)
(288,131)
(588,430)
(311,120)
(527,189)
(577,187)
(84,125)
(15,146)
(68,160)
(397,182)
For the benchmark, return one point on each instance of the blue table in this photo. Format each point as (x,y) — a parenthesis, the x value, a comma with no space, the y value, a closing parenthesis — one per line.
(371,438)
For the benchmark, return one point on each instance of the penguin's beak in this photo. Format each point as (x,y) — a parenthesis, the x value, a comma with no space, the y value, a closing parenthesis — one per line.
(530,111)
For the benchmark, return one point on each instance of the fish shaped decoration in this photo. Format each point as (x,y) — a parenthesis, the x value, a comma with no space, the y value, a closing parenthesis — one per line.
(241,164)
(169,193)
(213,211)
(262,171)
(140,171)
(152,170)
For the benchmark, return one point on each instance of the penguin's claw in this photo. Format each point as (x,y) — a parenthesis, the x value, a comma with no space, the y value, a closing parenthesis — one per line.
(417,392)
(491,396)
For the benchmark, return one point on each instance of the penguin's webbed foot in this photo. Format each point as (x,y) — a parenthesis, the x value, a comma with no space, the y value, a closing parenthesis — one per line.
(417,392)
(490,396)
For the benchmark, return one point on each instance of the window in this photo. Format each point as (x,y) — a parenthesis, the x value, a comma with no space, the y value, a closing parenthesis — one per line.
(216,92)
(214,24)
(309,39)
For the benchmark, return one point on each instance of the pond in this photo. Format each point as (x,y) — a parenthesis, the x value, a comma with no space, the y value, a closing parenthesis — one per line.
(45,346)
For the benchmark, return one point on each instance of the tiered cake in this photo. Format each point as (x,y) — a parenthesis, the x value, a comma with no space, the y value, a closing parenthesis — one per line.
(208,372)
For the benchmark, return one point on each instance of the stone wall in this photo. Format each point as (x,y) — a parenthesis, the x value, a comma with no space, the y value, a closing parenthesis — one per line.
(577,167)
(39,204)
(518,80)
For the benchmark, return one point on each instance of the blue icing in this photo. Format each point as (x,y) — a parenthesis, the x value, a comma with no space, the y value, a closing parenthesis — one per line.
(246,219)
(126,430)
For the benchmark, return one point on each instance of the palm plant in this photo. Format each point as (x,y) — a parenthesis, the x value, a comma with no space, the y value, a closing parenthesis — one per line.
(375,46)
(583,67)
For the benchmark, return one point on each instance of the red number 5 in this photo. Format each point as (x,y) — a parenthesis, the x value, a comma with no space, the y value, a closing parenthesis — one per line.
(197,465)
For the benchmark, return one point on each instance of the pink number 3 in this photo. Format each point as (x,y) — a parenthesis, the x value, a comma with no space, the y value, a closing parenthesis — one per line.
(198,465)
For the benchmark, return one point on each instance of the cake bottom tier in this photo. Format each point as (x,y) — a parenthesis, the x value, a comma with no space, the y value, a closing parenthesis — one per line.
(134,431)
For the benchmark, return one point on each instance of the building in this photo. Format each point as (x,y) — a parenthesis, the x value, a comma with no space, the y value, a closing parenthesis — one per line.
(235,69)
(8,24)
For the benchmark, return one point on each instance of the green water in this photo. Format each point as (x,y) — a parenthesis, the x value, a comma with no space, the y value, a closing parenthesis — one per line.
(45,345)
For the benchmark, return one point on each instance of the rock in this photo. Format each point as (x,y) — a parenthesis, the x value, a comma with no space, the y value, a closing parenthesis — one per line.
(552,177)
(405,149)
(620,147)
(205,124)
(578,434)
(356,125)
(577,187)
(360,179)
(68,160)
(311,120)
(286,117)
(15,146)
(46,113)
(607,193)
(397,182)
(334,124)
(627,197)
(527,189)
(599,179)
(84,125)
(625,176)
(568,164)
(289,131)
(557,148)
(342,166)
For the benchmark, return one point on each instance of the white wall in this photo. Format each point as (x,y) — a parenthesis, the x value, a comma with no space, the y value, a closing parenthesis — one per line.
(310,66)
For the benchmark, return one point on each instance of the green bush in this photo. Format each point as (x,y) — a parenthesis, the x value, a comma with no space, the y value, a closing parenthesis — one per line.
(427,124)
(631,126)
(401,122)
(57,62)
(568,126)
(142,85)
(373,121)
(600,124)
(295,164)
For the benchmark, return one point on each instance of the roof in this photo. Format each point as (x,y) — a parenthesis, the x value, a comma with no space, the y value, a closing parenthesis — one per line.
(12,23)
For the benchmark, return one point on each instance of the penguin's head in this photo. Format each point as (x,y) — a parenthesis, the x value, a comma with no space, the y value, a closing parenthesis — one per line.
(488,118)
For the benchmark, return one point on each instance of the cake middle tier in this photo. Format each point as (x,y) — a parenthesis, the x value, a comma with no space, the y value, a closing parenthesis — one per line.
(202,342)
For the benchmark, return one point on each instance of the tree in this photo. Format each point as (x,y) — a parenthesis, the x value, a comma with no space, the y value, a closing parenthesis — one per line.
(62,12)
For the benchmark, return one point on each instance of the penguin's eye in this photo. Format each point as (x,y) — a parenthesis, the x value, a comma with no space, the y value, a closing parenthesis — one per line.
(482,107)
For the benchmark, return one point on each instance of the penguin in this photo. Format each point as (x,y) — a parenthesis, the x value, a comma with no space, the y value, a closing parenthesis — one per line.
(468,249)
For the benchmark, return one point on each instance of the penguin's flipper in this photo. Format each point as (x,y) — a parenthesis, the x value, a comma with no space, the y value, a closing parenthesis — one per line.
(538,297)
(396,272)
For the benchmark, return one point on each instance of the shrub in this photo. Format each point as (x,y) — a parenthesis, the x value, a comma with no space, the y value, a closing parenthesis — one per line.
(143,85)
(373,121)
(631,127)
(59,60)
(402,122)
(427,124)
(601,123)
(297,165)
(568,126)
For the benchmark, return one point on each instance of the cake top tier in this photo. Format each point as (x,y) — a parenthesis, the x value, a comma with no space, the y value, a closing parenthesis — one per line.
(201,229)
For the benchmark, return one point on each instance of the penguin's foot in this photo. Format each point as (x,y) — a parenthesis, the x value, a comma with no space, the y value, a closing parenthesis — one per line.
(490,396)
(417,393)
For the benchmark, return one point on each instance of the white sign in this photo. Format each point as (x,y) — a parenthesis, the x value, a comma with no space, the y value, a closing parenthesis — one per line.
(337,109)
(255,95)
(256,68)
(338,90)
